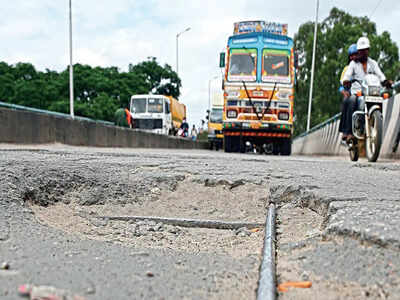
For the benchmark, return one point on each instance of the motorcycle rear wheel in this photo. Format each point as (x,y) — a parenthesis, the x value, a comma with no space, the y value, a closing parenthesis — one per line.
(374,142)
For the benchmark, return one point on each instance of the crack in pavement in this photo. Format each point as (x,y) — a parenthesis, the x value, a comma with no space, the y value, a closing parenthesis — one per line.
(337,221)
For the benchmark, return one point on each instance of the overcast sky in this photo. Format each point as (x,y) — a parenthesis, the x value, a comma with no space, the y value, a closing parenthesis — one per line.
(119,32)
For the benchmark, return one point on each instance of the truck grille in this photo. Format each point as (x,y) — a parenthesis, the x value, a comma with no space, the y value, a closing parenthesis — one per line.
(147,123)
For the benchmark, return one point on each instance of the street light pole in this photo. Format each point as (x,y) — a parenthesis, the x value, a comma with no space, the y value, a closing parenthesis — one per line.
(312,67)
(71,71)
(177,58)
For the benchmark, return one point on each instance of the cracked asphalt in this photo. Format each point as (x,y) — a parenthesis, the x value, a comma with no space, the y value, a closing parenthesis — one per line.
(51,194)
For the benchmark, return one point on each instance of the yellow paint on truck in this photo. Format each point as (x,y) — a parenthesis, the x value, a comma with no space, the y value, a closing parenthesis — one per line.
(178,112)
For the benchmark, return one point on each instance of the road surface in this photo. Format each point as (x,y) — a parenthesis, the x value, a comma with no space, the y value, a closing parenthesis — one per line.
(338,223)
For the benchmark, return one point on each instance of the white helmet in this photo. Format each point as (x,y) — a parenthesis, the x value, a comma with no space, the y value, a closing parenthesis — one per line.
(362,43)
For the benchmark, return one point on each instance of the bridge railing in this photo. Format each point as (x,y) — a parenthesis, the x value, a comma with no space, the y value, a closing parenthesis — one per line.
(26,125)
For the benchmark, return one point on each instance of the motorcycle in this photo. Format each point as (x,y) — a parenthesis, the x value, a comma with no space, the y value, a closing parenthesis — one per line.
(367,121)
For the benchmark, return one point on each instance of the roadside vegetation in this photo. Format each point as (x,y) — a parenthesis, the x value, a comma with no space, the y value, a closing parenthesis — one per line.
(98,91)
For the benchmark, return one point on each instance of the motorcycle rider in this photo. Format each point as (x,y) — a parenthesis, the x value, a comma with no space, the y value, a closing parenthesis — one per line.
(358,70)
(352,51)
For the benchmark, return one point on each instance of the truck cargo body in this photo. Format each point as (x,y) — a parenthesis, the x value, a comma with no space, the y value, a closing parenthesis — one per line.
(156,113)
(259,92)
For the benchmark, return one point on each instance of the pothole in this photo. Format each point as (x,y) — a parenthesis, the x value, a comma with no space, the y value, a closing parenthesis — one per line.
(245,202)
(222,201)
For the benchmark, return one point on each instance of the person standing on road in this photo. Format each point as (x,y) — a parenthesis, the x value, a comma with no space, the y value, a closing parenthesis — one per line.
(352,51)
(193,133)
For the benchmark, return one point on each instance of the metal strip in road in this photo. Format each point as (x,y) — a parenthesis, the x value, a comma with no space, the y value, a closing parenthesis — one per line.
(267,282)
(213,224)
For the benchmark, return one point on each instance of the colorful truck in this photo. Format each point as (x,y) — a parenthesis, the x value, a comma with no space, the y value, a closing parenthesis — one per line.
(258,88)
(215,112)
(157,113)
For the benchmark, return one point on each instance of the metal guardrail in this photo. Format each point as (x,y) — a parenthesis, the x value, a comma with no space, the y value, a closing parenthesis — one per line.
(334,118)
(52,113)
(319,126)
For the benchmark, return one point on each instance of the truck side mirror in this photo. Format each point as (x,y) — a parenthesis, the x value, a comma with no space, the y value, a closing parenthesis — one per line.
(222,60)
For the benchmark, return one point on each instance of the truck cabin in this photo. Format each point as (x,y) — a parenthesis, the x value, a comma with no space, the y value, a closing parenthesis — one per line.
(148,112)
(260,58)
(216,115)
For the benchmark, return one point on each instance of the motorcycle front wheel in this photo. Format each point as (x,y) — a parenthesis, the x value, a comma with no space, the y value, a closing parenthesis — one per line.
(354,151)
(374,142)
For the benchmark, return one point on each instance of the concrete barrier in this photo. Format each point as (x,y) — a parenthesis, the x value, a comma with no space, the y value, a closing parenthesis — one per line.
(23,125)
(324,139)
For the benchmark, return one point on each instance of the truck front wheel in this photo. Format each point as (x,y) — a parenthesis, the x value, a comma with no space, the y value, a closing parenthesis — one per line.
(286,147)
(227,143)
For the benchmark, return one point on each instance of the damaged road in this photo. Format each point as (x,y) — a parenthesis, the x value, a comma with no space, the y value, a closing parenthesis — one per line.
(67,213)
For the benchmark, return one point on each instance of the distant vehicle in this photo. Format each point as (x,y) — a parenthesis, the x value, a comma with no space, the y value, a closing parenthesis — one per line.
(215,112)
(367,122)
(157,113)
(258,88)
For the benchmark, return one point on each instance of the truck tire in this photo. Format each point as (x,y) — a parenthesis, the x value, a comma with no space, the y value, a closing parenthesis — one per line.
(235,143)
(276,148)
(286,147)
(210,145)
(232,143)
(242,145)
(227,144)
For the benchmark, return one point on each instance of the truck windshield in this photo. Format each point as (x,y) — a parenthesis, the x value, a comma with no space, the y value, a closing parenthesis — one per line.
(276,66)
(155,105)
(138,106)
(216,115)
(242,65)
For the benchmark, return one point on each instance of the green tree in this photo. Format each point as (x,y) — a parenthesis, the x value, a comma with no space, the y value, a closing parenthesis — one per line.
(98,91)
(7,88)
(335,34)
(159,80)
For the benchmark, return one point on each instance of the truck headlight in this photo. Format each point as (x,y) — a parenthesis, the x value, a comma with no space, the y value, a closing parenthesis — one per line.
(283,116)
(231,113)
